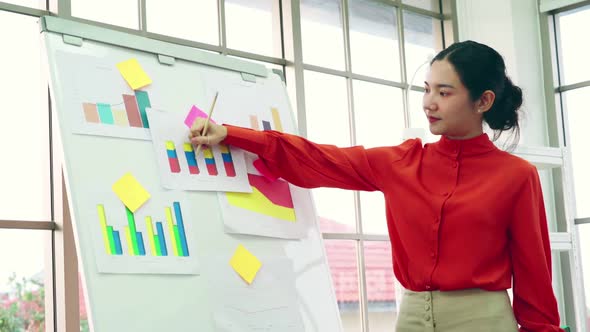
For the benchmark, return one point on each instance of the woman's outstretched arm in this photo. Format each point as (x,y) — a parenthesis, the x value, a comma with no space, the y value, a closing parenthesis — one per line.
(305,163)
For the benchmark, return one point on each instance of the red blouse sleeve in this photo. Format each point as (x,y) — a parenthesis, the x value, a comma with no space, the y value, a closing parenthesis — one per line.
(311,165)
(535,306)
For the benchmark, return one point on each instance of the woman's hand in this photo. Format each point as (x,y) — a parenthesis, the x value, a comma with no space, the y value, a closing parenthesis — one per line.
(215,133)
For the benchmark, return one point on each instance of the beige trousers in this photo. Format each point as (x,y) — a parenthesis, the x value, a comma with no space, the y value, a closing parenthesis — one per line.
(456,311)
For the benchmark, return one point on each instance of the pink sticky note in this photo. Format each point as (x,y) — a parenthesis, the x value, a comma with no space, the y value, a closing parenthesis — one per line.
(261,167)
(194,113)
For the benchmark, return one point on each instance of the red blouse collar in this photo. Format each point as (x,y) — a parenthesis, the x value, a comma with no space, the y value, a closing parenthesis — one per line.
(472,146)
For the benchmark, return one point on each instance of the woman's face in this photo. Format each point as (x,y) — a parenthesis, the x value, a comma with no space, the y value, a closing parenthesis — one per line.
(447,104)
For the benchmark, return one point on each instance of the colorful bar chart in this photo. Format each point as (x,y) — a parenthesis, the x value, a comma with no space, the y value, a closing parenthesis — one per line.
(193,164)
(172,157)
(266,125)
(134,114)
(156,238)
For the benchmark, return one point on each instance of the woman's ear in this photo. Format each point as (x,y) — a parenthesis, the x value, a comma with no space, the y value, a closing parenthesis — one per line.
(485,102)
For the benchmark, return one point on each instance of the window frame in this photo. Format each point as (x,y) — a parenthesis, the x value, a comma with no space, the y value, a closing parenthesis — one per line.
(558,130)
(61,259)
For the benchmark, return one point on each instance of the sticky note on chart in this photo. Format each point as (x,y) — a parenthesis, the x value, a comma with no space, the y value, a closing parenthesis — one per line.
(134,74)
(193,114)
(245,264)
(131,192)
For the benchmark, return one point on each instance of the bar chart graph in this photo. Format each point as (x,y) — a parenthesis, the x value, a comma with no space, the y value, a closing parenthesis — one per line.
(130,113)
(277,125)
(266,194)
(173,241)
(273,208)
(192,165)
(215,168)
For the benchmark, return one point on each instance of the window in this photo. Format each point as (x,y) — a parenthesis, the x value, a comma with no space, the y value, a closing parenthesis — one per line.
(381,286)
(322,33)
(263,22)
(197,21)
(25,190)
(572,86)
(39,4)
(24,130)
(373,35)
(378,122)
(116,12)
(354,94)
(342,260)
(354,70)
(22,279)
(424,4)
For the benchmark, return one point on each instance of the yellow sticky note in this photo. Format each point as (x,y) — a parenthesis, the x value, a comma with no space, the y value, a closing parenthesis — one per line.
(130,192)
(245,263)
(134,74)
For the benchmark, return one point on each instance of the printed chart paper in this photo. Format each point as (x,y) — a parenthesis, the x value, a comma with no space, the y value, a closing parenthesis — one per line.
(102,102)
(159,238)
(216,168)
(269,304)
(273,208)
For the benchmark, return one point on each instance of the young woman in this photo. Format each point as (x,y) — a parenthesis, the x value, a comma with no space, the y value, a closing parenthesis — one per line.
(466,220)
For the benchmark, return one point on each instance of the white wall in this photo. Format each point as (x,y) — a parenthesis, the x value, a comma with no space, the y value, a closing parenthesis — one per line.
(512,28)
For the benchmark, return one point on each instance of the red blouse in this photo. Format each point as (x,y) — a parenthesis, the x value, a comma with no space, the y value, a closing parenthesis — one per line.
(460,213)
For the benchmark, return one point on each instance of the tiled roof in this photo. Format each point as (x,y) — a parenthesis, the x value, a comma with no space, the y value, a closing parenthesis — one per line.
(343,264)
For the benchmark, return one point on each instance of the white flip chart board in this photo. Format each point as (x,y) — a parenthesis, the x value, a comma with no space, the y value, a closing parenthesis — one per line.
(165,264)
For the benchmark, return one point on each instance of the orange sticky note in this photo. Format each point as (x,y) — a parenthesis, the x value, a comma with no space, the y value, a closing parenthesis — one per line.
(131,192)
(245,264)
(132,72)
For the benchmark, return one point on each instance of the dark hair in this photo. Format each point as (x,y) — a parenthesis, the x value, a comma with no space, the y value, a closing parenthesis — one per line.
(482,68)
